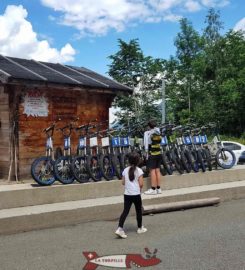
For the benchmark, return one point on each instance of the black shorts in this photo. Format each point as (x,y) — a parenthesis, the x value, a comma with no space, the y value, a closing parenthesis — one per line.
(154,162)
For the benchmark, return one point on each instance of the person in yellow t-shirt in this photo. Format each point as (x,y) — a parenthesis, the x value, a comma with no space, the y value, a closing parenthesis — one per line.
(152,140)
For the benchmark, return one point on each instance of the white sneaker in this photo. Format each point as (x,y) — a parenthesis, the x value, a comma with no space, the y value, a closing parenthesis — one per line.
(159,191)
(151,192)
(121,233)
(141,230)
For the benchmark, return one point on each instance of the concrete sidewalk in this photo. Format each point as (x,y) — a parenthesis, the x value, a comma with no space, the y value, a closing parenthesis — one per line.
(25,207)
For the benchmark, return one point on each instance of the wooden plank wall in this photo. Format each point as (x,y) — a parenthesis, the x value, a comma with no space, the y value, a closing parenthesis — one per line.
(66,104)
(4,134)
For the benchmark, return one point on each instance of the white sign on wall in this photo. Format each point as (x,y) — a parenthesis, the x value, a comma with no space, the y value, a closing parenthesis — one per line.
(35,104)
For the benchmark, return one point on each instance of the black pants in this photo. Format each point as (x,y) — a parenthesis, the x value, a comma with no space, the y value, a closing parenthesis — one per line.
(128,200)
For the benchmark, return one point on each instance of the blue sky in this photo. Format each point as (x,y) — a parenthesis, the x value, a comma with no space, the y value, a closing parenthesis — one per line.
(85,32)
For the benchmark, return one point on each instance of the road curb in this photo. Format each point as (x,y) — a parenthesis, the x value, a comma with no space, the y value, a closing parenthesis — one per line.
(182,205)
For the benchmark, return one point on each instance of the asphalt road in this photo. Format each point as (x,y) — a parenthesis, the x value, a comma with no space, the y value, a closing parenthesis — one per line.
(211,238)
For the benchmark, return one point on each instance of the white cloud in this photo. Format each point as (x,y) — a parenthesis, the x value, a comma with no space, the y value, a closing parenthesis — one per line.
(98,17)
(165,5)
(215,3)
(240,25)
(101,17)
(19,40)
(192,6)
(172,17)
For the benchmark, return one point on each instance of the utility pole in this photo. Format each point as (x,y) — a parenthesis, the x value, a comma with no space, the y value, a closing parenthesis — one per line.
(163,102)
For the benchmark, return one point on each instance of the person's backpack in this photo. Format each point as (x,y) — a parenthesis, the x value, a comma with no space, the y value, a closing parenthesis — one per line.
(155,148)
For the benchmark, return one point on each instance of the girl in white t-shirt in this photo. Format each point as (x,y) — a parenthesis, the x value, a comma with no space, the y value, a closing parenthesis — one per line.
(133,181)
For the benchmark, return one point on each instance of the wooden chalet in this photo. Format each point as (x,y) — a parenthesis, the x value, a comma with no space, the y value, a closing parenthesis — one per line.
(33,94)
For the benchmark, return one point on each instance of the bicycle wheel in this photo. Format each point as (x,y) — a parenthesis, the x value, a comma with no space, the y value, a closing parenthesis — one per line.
(79,169)
(63,170)
(208,159)
(42,171)
(225,158)
(143,165)
(117,166)
(93,168)
(176,161)
(163,170)
(124,160)
(192,161)
(167,164)
(145,170)
(200,160)
(185,163)
(170,161)
(106,166)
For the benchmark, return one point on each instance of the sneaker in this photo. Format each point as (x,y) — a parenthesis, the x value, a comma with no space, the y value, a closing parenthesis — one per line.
(121,233)
(141,230)
(159,191)
(151,192)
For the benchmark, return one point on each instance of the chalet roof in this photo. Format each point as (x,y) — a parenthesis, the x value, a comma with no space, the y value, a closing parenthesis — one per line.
(14,70)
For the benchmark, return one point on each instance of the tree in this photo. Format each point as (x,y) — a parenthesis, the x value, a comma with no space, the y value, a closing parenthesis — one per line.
(223,74)
(127,63)
(231,83)
(211,32)
(205,80)
(188,45)
(131,67)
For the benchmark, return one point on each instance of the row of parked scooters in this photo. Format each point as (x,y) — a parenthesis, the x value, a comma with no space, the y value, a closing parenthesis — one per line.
(102,153)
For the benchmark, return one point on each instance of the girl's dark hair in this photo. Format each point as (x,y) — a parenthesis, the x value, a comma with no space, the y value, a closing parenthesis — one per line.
(133,159)
(152,123)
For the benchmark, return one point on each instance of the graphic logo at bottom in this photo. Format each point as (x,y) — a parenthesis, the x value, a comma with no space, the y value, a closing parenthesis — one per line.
(120,261)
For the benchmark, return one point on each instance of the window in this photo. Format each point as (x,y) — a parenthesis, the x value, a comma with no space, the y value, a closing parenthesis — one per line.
(232,146)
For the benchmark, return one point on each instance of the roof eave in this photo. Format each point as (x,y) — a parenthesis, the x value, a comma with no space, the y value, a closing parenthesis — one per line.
(45,84)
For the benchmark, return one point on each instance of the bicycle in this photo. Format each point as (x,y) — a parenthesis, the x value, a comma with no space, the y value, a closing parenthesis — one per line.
(62,165)
(93,164)
(138,133)
(109,163)
(201,142)
(79,167)
(220,155)
(42,168)
(125,146)
(166,166)
(170,154)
